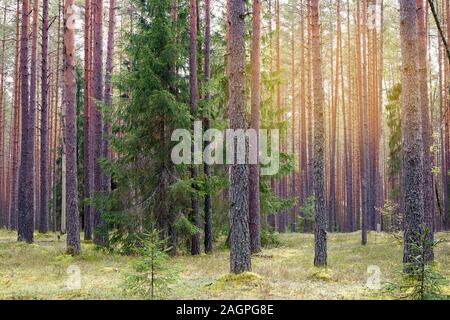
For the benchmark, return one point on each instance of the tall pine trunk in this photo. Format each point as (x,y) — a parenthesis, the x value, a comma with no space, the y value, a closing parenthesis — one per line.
(412,162)
(351,226)
(207,125)
(26,174)
(106,182)
(333,139)
(87,140)
(364,117)
(320,258)
(70,129)
(293,182)
(193,84)
(100,227)
(4,218)
(13,214)
(239,236)
(303,134)
(44,192)
(33,96)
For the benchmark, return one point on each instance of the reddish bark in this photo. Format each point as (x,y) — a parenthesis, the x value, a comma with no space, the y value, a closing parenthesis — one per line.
(100,228)
(320,258)
(14,175)
(106,182)
(240,254)
(193,84)
(70,129)
(44,194)
(206,122)
(26,174)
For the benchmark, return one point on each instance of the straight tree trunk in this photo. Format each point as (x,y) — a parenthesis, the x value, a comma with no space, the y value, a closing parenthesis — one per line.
(100,227)
(412,162)
(271,218)
(207,125)
(281,183)
(106,181)
(310,104)
(293,192)
(70,129)
(365,155)
(332,198)
(320,258)
(87,141)
(254,201)
(349,135)
(33,96)
(26,174)
(4,215)
(44,194)
(240,254)
(63,227)
(193,84)
(13,214)
(56,127)
(303,134)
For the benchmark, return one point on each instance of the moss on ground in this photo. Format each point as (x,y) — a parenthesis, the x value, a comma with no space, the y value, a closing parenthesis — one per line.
(41,270)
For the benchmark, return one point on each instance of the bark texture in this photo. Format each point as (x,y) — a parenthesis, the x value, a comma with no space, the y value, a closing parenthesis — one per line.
(26,174)
(320,258)
(412,155)
(87,141)
(206,123)
(193,84)
(44,192)
(106,181)
(70,129)
(13,214)
(100,227)
(239,236)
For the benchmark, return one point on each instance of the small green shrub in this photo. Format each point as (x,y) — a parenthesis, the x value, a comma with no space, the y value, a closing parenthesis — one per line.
(306,221)
(419,280)
(270,238)
(151,273)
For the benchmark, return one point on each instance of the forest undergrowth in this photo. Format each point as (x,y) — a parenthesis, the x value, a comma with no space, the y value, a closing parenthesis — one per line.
(43,270)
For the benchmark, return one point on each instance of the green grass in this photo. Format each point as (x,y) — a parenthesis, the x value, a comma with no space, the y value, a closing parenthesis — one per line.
(39,271)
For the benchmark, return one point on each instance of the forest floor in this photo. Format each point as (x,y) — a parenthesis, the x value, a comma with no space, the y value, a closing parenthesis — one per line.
(40,271)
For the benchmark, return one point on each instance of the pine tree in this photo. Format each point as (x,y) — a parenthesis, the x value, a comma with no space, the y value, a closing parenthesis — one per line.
(412,150)
(193,82)
(100,227)
(70,129)
(207,125)
(240,235)
(44,194)
(320,258)
(26,175)
(87,139)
